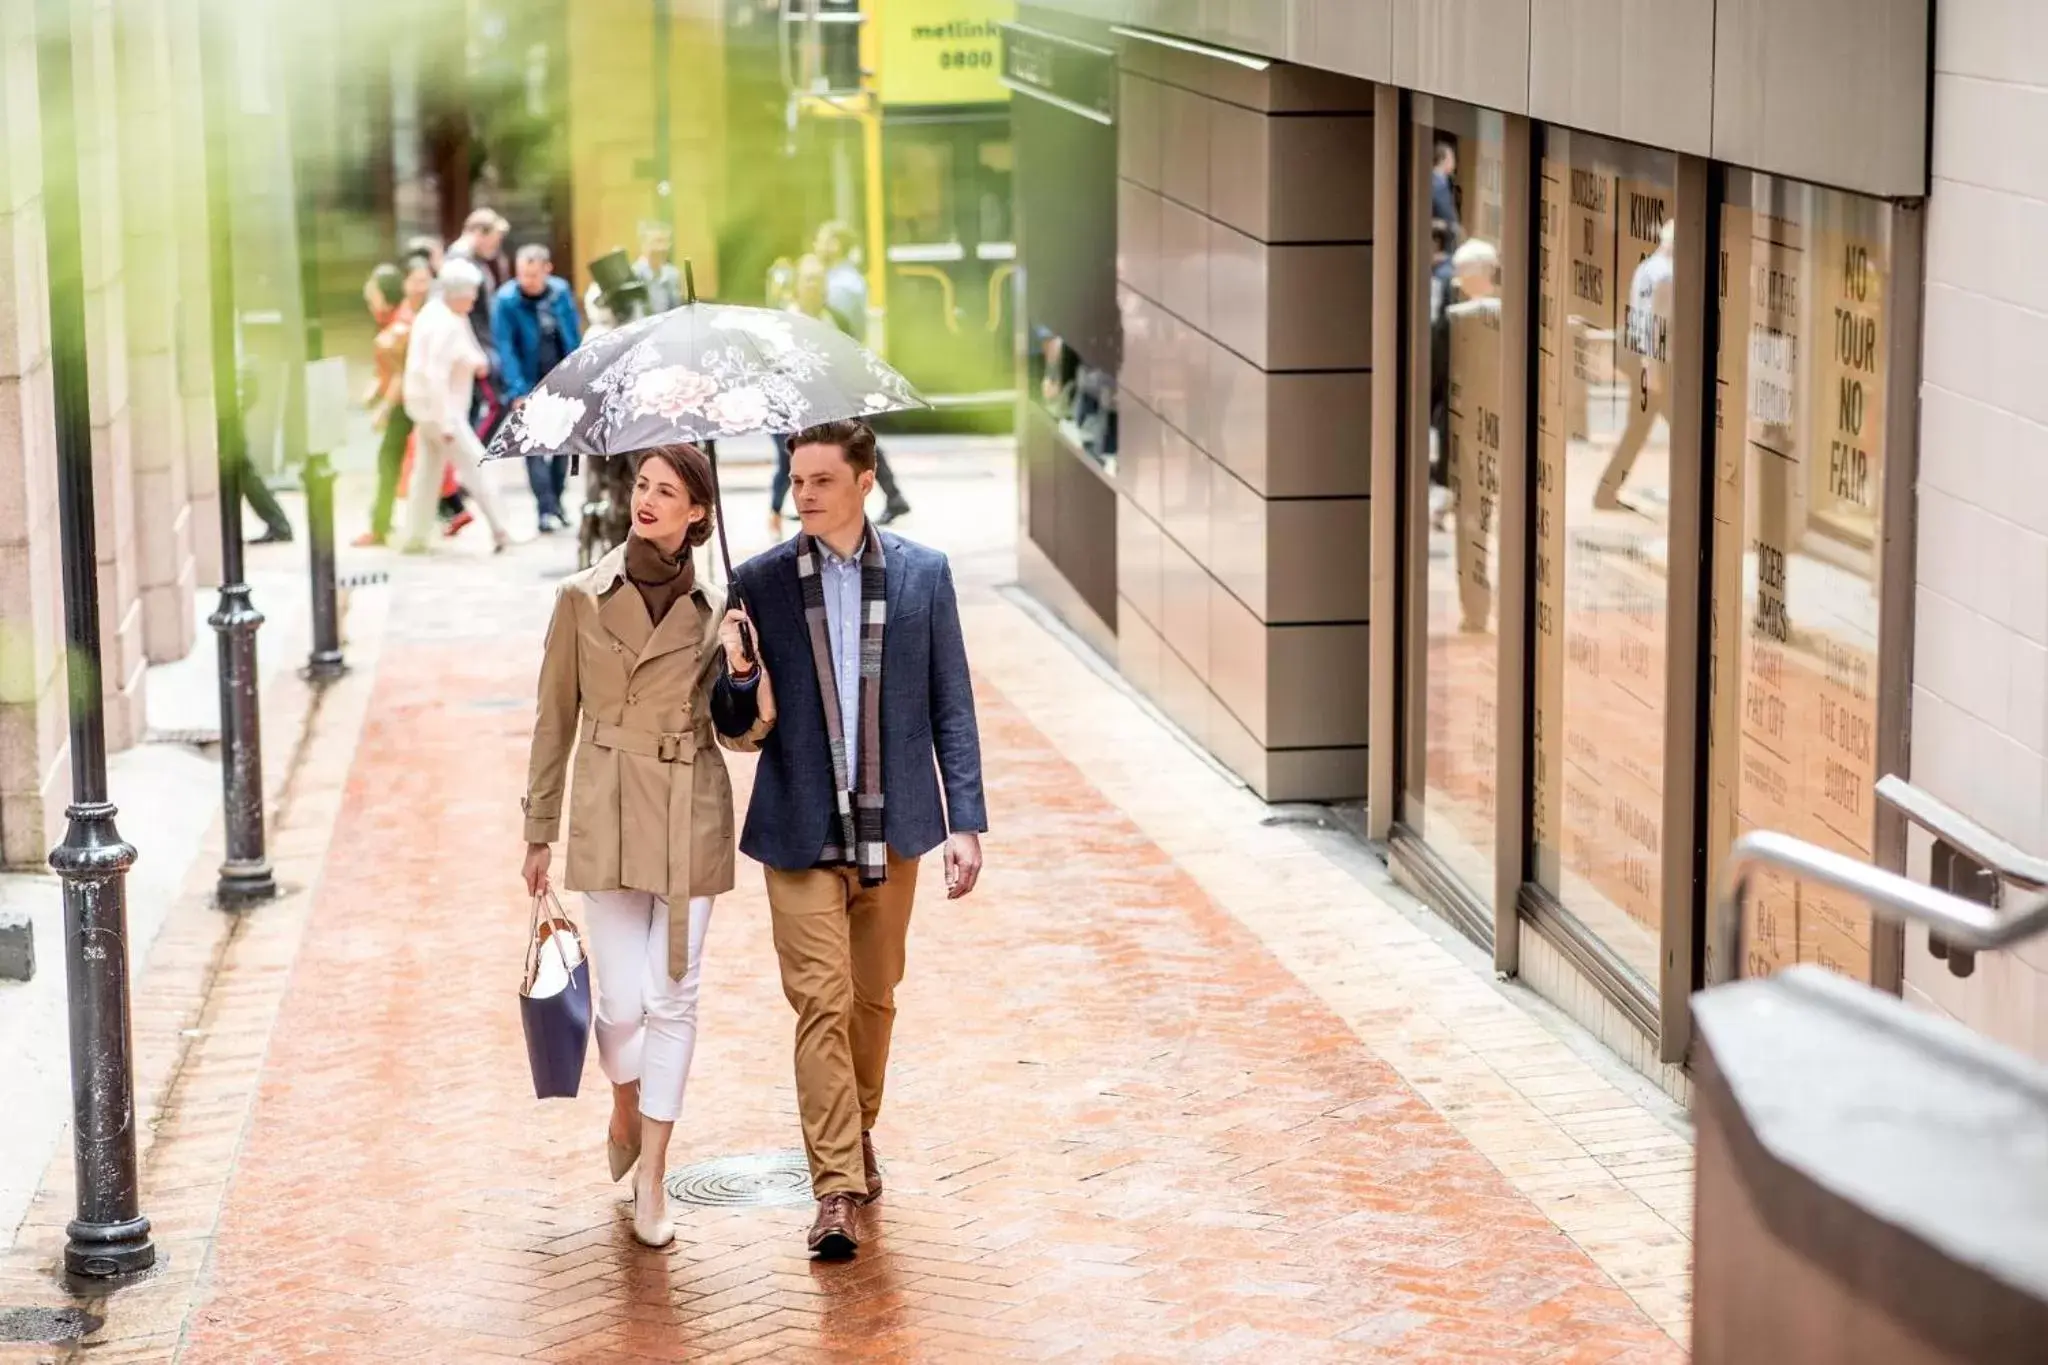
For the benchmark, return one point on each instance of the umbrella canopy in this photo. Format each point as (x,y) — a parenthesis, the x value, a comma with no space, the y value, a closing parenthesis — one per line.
(698,373)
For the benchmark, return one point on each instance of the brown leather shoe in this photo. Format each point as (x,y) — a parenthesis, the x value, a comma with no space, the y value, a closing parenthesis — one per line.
(872,1166)
(835,1235)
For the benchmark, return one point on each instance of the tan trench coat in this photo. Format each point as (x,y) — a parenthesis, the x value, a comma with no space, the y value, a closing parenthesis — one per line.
(651,803)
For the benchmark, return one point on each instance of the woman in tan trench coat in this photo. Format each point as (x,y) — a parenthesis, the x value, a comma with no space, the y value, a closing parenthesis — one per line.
(625,683)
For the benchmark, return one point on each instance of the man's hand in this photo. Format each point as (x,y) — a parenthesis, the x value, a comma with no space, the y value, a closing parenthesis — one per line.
(963,864)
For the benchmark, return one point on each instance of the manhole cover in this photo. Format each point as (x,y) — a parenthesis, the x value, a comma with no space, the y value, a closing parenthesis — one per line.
(773,1178)
(47,1324)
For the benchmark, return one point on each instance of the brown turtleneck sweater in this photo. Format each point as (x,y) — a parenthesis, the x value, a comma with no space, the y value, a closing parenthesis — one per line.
(662,581)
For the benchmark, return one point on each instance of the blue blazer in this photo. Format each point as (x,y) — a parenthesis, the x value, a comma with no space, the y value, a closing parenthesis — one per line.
(517,332)
(929,737)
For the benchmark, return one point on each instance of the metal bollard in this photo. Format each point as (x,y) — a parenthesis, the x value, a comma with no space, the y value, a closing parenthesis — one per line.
(325,663)
(109,1237)
(245,877)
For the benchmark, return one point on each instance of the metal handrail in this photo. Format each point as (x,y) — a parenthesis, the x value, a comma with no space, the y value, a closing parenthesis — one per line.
(1963,923)
(1953,827)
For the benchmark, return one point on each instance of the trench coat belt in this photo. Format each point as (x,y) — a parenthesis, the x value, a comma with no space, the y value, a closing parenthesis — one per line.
(666,746)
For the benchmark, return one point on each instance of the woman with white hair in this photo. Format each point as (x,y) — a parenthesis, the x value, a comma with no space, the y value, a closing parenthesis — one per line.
(442,366)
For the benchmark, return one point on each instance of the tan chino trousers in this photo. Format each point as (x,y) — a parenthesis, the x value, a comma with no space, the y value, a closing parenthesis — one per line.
(841,949)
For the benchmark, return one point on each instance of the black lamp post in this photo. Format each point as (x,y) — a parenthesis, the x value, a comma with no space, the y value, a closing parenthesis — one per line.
(245,878)
(109,1237)
(310,171)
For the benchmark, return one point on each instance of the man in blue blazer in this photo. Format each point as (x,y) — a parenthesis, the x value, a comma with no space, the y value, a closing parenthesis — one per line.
(874,760)
(534,327)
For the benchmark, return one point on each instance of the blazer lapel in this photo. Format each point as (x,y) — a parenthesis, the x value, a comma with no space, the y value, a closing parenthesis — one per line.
(895,580)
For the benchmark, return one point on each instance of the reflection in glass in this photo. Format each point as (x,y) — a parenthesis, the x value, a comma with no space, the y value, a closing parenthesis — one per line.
(1078,396)
(1797,498)
(1451,780)
(1603,481)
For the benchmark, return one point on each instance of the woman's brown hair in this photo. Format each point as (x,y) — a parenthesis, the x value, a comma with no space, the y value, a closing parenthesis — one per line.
(693,467)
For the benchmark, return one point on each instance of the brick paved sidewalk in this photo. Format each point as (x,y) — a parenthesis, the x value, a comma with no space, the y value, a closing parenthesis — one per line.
(1121,1125)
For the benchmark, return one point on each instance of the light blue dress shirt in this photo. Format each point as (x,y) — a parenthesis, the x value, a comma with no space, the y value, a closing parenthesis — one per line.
(841,578)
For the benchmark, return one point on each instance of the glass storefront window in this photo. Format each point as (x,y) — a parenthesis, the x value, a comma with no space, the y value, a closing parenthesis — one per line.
(1079,397)
(1602,510)
(1800,463)
(1454,459)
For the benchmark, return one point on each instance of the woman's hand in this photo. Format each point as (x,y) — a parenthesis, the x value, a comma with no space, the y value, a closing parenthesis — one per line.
(736,660)
(538,856)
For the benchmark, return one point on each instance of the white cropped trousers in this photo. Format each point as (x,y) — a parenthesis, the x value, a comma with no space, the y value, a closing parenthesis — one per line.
(646,1019)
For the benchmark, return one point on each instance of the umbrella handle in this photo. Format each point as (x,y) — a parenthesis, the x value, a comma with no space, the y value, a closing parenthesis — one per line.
(732,583)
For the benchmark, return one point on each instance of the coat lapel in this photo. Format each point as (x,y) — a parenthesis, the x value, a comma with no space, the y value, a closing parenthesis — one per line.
(620,610)
(682,628)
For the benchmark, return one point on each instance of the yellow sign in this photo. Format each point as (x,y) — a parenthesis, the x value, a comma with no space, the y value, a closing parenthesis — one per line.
(941,51)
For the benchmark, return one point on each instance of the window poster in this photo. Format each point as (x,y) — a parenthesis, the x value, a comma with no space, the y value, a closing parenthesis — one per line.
(1602,586)
(1795,600)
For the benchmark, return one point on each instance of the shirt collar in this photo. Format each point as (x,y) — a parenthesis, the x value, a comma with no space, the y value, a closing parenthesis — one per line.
(831,556)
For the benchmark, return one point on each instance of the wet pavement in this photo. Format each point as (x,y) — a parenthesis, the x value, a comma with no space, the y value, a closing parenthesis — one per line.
(1125,1123)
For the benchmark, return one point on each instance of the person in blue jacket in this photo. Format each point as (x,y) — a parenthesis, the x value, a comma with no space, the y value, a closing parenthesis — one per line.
(534,323)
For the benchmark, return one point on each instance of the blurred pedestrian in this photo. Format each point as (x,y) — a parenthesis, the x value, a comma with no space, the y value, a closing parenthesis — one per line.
(399,295)
(650,816)
(780,290)
(482,244)
(277,527)
(846,286)
(1644,362)
(1443,194)
(429,247)
(656,270)
(534,321)
(811,297)
(442,364)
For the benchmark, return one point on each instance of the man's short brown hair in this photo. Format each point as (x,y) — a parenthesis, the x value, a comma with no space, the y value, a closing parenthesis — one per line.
(855,439)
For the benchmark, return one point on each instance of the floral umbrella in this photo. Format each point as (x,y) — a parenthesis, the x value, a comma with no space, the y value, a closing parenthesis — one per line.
(698,373)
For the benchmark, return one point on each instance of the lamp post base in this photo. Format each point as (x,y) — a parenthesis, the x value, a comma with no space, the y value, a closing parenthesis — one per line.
(324,666)
(245,884)
(108,1251)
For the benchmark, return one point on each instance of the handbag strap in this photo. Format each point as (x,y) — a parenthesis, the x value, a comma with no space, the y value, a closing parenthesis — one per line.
(556,917)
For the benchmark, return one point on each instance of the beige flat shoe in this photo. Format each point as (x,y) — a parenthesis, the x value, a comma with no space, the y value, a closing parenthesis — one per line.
(621,1158)
(651,1225)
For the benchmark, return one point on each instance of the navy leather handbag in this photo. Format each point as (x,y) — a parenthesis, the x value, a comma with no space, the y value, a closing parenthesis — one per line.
(554,1001)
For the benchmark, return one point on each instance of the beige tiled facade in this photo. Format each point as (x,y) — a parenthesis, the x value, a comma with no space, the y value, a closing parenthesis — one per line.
(1245,268)
(1244,258)
(146,355)
(1980,699)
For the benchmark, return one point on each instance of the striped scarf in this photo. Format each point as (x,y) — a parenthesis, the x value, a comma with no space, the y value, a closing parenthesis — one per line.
(861,843)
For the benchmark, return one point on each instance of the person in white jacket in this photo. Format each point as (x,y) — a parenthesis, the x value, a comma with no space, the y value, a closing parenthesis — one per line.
(442,364)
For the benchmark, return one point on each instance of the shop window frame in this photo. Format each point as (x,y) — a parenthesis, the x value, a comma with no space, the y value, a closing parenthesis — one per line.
(1689,885)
